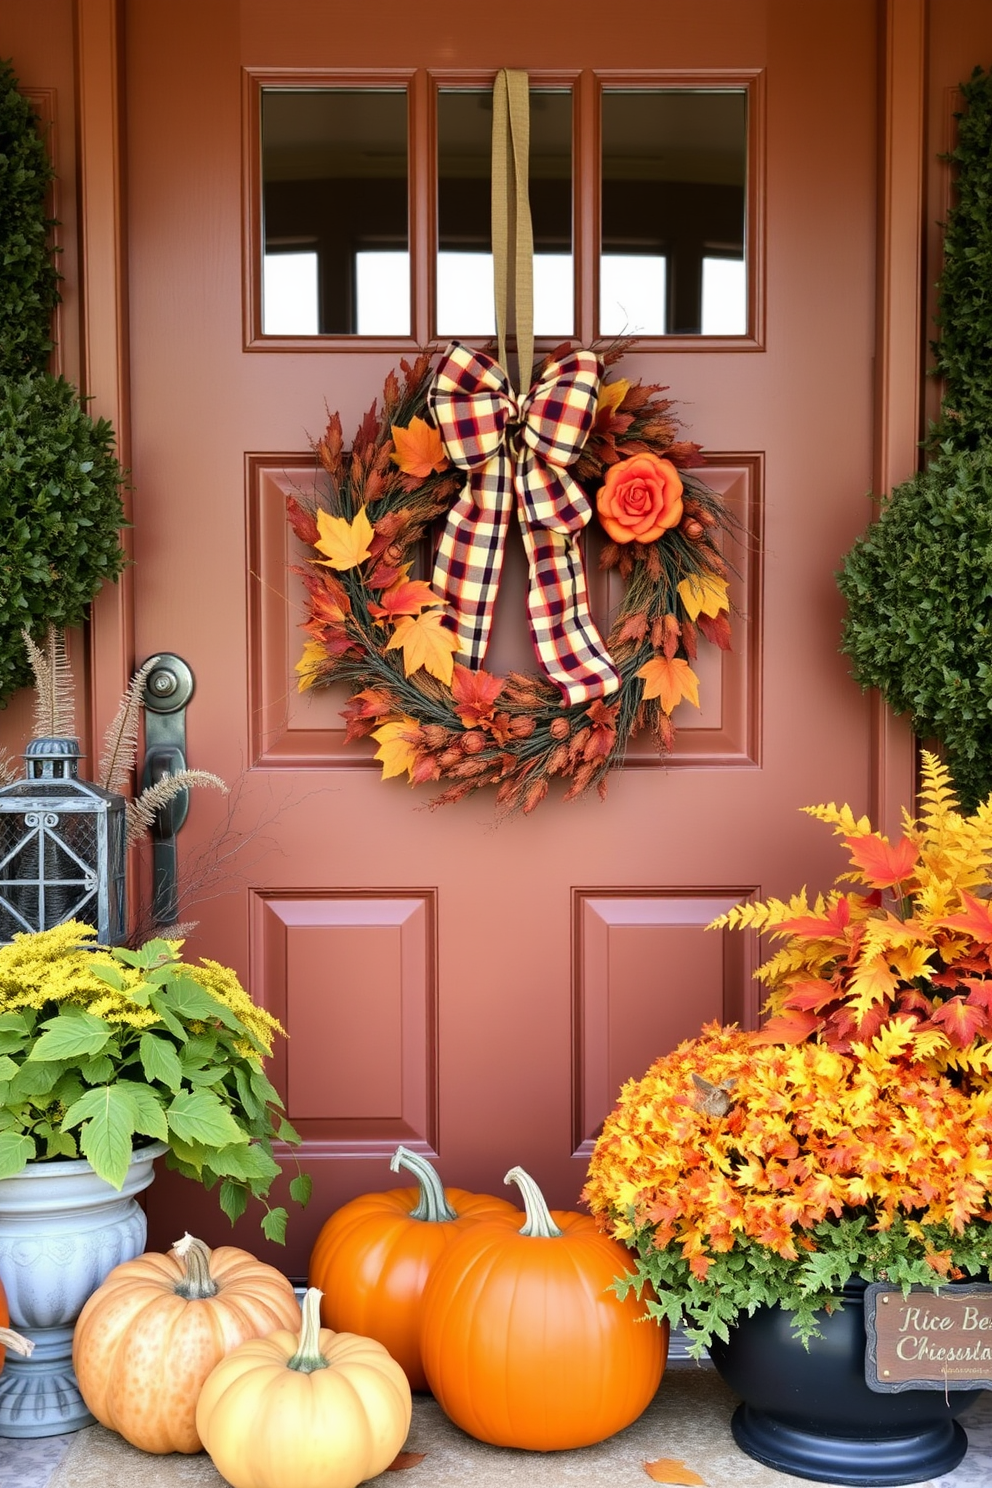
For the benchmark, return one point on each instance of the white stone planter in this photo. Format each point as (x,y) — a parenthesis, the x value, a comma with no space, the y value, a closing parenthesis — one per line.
(62,1230)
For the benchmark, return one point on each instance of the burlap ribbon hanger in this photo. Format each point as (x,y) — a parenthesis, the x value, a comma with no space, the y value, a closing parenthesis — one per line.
(516,449)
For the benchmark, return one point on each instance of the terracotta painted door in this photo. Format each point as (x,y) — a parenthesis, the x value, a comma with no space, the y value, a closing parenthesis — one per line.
(474,990)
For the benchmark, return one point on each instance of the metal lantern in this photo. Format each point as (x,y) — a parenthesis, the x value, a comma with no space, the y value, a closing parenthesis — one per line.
(62,847)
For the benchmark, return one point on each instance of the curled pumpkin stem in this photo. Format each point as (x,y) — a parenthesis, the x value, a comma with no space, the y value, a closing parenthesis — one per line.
(16,1342)
(432,1204)
(308,1357)
(538,1221)
(196,1283)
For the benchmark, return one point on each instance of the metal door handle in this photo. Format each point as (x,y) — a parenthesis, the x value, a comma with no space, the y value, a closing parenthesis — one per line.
(168,688)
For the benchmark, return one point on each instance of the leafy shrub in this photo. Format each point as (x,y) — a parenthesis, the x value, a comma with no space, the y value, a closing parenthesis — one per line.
(29,282)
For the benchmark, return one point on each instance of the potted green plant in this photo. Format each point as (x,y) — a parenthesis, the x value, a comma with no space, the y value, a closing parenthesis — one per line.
(771,1175)
(109,1059)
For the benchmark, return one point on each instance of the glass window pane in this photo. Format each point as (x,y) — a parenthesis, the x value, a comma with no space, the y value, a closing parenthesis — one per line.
(334,188)
(464,271)
(632,294)
(674,178)
(289,294)
(383,292)
(724,297)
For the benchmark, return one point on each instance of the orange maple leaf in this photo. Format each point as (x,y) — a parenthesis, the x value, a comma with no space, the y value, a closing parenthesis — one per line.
(669,1470)
(426,642)
(407,597)
(881,864)
(976,921)
(669,679)
(810,997)
(961,1021)
(345,543)
(819,927)
(793,1027)
(475,694)
(397,746)
(419,450)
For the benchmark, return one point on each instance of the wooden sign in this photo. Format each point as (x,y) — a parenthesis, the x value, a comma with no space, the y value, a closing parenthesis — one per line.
(928,1340)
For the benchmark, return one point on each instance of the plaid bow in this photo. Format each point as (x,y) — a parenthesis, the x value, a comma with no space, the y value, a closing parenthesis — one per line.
(515,453)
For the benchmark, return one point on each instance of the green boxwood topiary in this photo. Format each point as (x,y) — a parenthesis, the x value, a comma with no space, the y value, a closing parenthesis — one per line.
(60,514)
(918,583)
(28,281)
(60,482)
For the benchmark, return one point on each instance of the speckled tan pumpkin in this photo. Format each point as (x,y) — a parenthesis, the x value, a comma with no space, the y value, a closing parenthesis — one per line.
(151,1333)
(307,1409)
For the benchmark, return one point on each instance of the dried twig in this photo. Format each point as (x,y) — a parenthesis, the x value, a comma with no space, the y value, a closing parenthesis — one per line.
(120,742)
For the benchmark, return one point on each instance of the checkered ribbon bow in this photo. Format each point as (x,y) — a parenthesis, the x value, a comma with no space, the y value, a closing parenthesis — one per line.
(516,453)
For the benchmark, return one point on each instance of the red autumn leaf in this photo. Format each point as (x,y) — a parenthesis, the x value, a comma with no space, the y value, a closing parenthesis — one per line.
(604,730)
(882,864)
(329,448)
(303,523)
(788,1028)
(980,994)
(961,1021)
(976,921)
(405,1459)
(329,600)
(475,694)
(364,710)
(716,629)
(407,597)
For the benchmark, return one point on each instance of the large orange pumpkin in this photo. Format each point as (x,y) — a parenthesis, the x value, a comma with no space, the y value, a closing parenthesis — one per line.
(373,1256)
(151,1333)
(524,1341)
(307,1409)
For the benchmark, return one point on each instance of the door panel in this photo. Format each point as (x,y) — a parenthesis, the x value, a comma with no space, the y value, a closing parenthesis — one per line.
(474,990)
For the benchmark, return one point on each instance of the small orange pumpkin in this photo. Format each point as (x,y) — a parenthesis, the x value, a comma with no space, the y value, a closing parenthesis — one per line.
(524,1341)
(373,1256)
(151,1333)
(8,1338)
(304,1409)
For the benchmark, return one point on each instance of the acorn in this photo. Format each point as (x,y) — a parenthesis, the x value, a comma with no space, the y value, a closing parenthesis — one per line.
(692,529)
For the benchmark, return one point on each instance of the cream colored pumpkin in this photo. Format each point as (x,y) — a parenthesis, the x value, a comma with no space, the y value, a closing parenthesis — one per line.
(151,1333)
(313,1410)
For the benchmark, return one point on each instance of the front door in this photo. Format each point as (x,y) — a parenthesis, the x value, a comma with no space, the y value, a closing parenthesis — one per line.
(473,986)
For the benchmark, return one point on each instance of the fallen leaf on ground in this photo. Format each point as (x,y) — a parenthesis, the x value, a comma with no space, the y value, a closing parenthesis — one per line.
(405,1459)
(668,1470)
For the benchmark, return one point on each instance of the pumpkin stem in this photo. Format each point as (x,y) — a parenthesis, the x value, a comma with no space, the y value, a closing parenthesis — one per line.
(538,1221)
(432,1204)
(196,1283)
(308,1357)
(10,1339)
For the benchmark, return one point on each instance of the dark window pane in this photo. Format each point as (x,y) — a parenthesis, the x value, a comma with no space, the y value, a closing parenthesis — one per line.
(334,192)
(465,268)
(674,183)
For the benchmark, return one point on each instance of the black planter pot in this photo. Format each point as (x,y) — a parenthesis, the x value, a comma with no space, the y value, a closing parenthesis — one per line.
(810,1413)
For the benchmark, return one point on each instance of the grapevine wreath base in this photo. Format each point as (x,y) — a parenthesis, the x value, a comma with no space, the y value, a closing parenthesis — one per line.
(394,640)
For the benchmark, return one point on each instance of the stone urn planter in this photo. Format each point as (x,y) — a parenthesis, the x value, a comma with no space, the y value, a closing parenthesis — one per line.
(62,1230)
(809,1411)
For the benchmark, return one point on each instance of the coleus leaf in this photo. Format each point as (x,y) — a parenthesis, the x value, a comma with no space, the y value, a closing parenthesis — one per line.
(976,920)
(793,1027)
(961,1021)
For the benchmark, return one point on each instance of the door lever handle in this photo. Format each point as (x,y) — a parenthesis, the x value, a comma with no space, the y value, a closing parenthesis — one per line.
(168,688)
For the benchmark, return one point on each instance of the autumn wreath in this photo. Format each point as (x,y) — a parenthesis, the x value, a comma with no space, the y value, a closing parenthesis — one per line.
(398,641)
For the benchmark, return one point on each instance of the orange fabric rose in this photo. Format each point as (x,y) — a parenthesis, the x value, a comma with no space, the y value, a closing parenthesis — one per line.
(640,499)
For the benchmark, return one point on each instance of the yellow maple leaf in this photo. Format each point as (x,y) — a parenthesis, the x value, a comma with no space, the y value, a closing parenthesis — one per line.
(397,746)
(871,984)
(611,395)
(670,681)
(671,1470)
(419,449)
(704,594)
(345,543)
(427,643)
(309,664)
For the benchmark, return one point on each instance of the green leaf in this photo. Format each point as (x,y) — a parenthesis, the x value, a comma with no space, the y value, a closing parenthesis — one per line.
(70,1035)
(263,1087)
(105,1139)
(97,1071)
(274,1225)
(233,1199)
(33,1079)
(15,1150)
(199,1116)
(171,1022)
(286,1132)
(149,1112)
(189,1000)
(301,1189)
(11,1041)
(7,1067)
(109,974)
(160,1061)
(247,1161)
